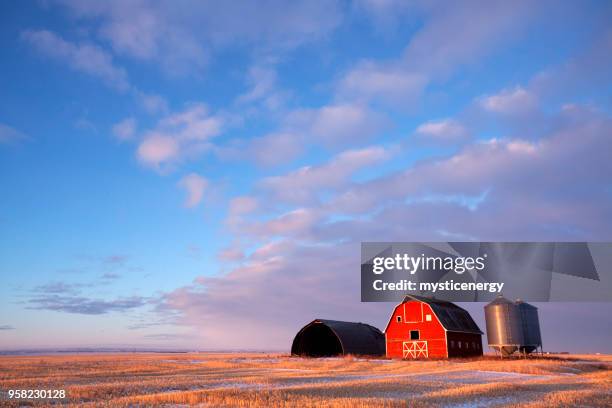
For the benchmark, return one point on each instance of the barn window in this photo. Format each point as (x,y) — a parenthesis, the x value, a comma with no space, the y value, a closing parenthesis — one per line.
(414,335)
(459,343)
(399,319)
(473,344)
(452,343)
(428,318)
(467,345)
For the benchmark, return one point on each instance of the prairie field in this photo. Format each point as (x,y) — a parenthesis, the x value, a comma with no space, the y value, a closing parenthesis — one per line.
(278,380)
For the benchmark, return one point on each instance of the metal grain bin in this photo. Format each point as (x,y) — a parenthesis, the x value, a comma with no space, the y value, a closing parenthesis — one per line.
(532,339)
(504,327)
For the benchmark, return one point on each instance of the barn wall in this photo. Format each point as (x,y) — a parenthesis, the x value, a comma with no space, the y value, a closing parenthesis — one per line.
(471,344)
(413,315)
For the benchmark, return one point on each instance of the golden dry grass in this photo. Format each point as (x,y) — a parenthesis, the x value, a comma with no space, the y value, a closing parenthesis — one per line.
(265,380)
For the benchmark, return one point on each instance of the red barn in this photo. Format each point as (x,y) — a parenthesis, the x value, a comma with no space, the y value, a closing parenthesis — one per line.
(421,327)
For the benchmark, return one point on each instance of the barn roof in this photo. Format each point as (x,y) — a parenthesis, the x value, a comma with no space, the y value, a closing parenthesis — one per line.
(355,338)
(452,317)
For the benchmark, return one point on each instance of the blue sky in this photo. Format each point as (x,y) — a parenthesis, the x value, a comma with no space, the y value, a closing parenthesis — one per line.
(170,172)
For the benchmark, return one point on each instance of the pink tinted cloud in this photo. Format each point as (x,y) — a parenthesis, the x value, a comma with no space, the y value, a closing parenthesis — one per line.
(444,130)
(333,126)
(307,259)
(10,135)
(242,205)
(276,148)
(125,129)
(453,36)
(303,184)
(194,186)
(183,42)
(157,150)
(83,57)
(510,101)
(178,136)
(273,295)
(338,124)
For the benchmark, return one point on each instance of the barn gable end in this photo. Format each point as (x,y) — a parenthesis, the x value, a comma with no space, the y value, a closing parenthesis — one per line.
(421,327)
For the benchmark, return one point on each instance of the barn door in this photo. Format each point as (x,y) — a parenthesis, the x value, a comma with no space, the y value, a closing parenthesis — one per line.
(415,349)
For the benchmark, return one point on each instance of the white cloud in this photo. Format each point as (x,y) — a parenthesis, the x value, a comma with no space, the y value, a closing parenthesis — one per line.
(82,57)
(275,148)
(501,189)
(194,185)
(333,126)
(297,222)
(178,136)
(289,278)
(302,185)
(452,35)
(194,123)
(507,189)
(157,150)
(525,185)
(510,101)
(85,125)
(582,74)
(386,13)
(125,129)
(152,103)
(455,34)
(242,205)
(442,130)
(146,31)
(516,172)
(231,254)
(522,147)
(262,81)
(263,88)
(181,39)
(337,124)
(10,135)
(371,81)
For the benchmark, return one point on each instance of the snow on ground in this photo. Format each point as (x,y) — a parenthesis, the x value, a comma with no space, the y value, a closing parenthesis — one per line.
(483,402)
(462,377)
(184,361)
(456,377)
(480,377)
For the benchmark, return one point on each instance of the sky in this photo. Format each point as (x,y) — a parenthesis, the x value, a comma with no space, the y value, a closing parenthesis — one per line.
(201,174)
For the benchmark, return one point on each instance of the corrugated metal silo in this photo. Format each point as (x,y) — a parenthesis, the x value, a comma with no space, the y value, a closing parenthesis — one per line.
(504,327)
(532,339)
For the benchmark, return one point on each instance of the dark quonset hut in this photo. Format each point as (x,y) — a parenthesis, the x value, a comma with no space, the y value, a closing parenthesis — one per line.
(321,338)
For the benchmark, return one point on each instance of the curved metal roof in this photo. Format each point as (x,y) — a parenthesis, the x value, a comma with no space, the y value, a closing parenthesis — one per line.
(355,338)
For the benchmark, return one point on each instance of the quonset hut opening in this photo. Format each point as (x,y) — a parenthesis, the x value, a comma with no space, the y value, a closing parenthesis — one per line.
(323,338)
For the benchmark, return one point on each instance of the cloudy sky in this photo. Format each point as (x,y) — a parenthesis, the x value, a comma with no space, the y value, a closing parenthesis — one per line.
(201,174)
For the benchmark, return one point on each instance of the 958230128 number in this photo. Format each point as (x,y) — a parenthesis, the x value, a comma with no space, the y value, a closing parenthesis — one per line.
(35,394)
